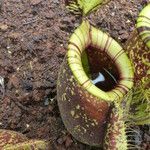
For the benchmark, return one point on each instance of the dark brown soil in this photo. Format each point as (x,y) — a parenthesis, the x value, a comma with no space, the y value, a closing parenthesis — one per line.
(33,40)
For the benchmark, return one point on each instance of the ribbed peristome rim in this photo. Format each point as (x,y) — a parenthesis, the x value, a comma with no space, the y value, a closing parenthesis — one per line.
(143,25)
(86,35)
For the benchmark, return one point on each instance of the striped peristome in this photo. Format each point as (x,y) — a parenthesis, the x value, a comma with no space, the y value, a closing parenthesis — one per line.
(143,25)
(86,35)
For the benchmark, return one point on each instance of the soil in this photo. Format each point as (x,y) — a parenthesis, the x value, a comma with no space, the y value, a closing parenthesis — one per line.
(33,42)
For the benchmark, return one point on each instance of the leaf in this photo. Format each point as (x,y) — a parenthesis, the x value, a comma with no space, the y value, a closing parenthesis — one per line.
(27,145)
(84,7)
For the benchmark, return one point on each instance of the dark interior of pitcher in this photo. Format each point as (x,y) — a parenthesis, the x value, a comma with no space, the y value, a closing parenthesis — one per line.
(100,68)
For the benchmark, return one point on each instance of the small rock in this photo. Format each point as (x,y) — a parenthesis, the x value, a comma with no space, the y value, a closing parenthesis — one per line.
(27,85)
(38,95)
(14,81)
(25,98)
(56,1)
(1,4)
(14,35)
(2,82)
(117,28)
(27,125)
(60,141)
(2,87)
(35,2)
(123,34)
(50,108)
(68,141)
(49,15)
(46,102)
(3,27)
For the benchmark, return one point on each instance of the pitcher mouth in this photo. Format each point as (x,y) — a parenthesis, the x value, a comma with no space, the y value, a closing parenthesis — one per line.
(100,68)
(93,51)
